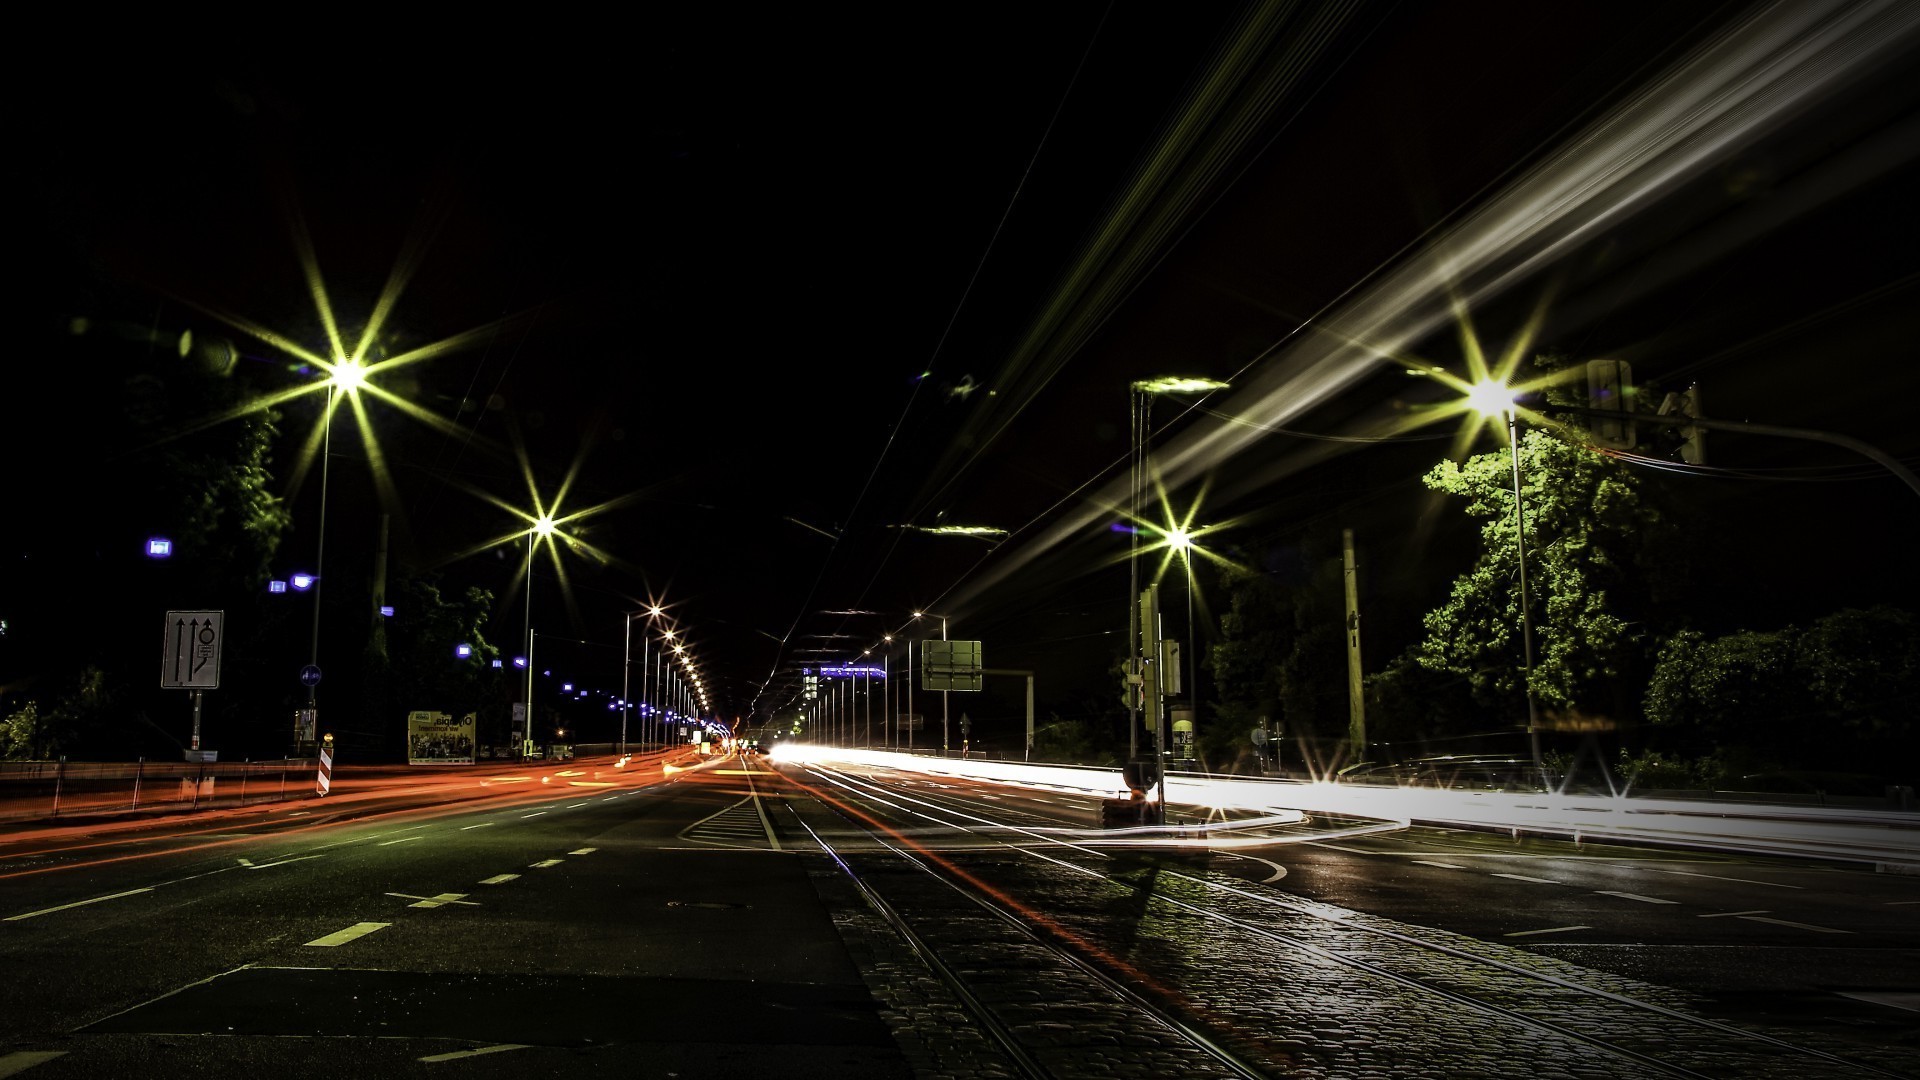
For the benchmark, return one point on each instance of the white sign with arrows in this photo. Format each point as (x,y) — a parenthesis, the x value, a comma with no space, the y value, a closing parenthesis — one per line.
(190,650)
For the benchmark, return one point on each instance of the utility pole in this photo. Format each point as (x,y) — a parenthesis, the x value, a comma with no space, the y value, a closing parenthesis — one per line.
(1356,697)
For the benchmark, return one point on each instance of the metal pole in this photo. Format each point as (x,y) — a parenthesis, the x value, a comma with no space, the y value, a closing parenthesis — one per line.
(319,555)
(1526,615)
(526,735)
(944,750)
(910,642)
(626,671)
(1136,435)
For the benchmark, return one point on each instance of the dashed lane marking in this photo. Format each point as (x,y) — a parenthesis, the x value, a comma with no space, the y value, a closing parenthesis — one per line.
(1549,930)
(1535,880)
(524,817)
(341,937)
(1337,847)
(544,863)
(1795,925)
(1441,865)
(1717,877)
(458,1054)
(1734,914)
(1634,896)
(402,840)
(583,851)
(482,825)
(441,900)
(498,879)
(75,904)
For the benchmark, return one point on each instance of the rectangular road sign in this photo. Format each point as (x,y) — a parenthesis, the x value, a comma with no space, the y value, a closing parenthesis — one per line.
(950,665)
(190,650)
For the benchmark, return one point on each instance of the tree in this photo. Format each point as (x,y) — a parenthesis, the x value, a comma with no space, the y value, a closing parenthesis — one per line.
(1841,695)
(1280,656)
(1594,541)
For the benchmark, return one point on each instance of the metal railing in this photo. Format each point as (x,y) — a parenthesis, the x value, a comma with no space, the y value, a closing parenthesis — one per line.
(40,790)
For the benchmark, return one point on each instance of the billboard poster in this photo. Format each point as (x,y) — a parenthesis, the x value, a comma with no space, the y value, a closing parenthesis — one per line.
(436,738)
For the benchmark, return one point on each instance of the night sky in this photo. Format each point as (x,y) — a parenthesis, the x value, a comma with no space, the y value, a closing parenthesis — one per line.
(784,284)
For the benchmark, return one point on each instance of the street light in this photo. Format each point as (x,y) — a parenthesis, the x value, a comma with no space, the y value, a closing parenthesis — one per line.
(1141,393)
(346,376)
(1181,540)
(541,529)
(943,694)
(1491,398)
(626,668)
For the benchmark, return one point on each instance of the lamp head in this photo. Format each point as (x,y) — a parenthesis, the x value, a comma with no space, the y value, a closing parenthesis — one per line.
(1489,397)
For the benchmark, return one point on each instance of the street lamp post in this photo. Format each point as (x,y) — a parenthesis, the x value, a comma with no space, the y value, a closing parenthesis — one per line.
(626,670)
(1491,398)
(1181,540)
(542,528)
(944,737)
(1140,402)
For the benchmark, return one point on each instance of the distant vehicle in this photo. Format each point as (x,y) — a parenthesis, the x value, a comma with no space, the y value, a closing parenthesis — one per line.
(560,752)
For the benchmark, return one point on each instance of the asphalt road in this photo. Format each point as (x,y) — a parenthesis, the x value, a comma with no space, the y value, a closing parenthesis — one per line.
(717,917)
(595,921)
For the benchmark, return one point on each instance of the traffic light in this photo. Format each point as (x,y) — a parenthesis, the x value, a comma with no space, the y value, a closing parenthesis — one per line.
(1693,438)
(1610,389)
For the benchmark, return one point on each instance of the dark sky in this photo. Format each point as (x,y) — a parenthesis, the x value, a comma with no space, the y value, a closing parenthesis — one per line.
(783,281)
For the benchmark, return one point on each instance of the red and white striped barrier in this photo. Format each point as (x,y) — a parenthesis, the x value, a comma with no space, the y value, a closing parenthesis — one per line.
(324,781)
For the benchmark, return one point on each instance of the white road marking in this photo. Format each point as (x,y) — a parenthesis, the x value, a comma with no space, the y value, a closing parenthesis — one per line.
(300,813)
(402,840)
(1899,999)
(544,863)
(1278,870)
(524,817)
(1901,903)
(75,904)
(1337,847)
(458,1054)
(1795,925)
(282,862)
(341,937)
(1734,914)
(583,851)
(1634,896)
(1717,877)
(21,1060)
(498,879)
(1441,865)
(441,900)
(482,825)
(1535,880)
(1550,930)
(582,802)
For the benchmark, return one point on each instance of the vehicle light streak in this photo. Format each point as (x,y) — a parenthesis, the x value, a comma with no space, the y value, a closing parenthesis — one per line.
(1880,837)
(1033,916)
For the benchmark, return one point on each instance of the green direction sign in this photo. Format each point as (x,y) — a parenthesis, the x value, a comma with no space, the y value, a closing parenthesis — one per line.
(950,665)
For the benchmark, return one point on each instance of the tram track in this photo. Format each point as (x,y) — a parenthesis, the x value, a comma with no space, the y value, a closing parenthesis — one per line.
(1624,1024)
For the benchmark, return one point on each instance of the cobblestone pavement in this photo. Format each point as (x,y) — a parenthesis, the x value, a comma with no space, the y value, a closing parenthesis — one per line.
(1291,987)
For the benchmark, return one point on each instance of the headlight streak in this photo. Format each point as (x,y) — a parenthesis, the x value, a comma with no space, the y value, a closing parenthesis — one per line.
(1090,840)
(1717,101)
(1883,838)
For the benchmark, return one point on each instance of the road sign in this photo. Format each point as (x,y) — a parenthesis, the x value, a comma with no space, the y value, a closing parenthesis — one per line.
(310,675)
(190,650)
(950,665)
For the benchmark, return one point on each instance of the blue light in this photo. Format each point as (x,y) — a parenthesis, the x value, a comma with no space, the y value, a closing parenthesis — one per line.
(386,610)
(1121,528)
(303,582)
(159,547)
(565,685)
(463,650)
(496,663)
(520,661)
(276,586)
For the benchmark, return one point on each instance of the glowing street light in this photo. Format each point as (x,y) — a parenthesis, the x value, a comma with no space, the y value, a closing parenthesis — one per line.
(1140,398)
(652,611)
(1492,398)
